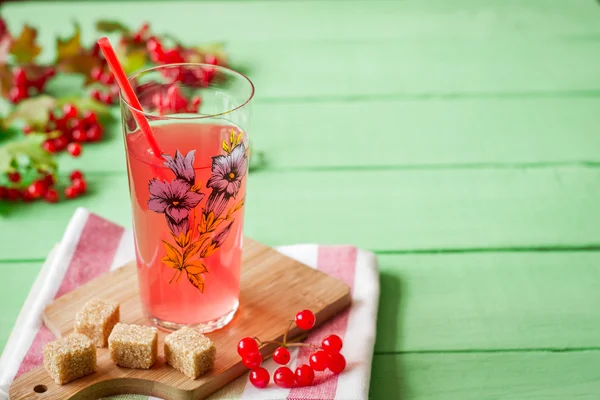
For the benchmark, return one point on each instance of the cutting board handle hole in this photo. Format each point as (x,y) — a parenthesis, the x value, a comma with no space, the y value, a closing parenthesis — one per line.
(40,388)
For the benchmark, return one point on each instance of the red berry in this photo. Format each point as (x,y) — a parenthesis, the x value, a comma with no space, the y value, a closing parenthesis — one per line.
(94,133)
(252,360)
(281,356)
(13,194)
(319,360)
(211,59)
(305,319)
(19,77)
(107,78)
(71,192)
(95,93)
(74,149)
(247,346)
(90,118)
(17,93)
(106,98)
(332,344)
(259,377)
(76,175)
(61,142)
(304,375)
(26,196)
(79,135)
(37,189)
(49,180)
(96,49)
(337,363)
(80,185)
(51,116)
(27,129)
(14,177)
(70,111)
(50,72)
(3,192)
(96,73)
(51,196)
(284,377)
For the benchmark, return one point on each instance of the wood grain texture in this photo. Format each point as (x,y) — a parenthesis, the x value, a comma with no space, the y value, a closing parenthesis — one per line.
(413,210)
(506,376)
(273,288)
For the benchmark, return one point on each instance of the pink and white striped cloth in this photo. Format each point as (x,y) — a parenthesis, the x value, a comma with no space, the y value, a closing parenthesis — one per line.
(92,246)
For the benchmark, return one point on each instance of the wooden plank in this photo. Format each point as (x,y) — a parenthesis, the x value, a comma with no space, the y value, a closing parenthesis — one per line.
(289,20)
(489,301)
(436,133)
(506,376)
(17,277)
(403,210)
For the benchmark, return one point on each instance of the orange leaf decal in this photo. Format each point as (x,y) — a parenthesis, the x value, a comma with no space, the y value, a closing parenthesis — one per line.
(167,261)
(24,48)
(173,254)
(196,280)
(195,267)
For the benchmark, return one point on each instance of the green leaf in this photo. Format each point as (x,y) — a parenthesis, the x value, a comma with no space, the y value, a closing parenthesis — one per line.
(85,104)
(26,154)
(33,111)
(111,26)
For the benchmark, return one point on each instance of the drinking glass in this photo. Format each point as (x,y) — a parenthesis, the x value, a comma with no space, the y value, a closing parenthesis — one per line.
(188,201)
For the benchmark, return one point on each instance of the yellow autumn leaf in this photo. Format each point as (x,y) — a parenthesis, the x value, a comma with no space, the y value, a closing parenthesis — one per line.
(225,146)
(69,47)
(195,267)
(197,281)
(25,48)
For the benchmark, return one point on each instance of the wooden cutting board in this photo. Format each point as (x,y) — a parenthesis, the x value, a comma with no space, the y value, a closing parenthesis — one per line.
(273,288)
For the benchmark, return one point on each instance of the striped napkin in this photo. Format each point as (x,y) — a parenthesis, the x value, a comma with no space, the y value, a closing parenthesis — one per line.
(92,246)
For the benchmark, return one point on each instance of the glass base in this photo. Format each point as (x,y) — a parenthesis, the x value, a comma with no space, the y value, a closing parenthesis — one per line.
(203,327)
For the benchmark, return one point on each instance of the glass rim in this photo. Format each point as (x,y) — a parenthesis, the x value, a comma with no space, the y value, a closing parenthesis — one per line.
(192,116)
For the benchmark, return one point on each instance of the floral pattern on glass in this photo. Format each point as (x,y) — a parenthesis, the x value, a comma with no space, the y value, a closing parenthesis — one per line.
(179,199)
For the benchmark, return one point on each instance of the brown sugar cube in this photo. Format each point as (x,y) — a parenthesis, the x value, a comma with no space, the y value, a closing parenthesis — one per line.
(189,352)
(96,320)
(70,358)
(133,346)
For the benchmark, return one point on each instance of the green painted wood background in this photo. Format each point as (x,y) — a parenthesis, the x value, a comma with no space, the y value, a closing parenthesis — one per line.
(459,140)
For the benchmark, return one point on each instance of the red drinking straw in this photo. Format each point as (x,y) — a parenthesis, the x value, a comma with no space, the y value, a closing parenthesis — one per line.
(128,93)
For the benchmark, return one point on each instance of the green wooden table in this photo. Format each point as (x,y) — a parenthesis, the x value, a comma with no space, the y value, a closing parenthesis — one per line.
(459,140)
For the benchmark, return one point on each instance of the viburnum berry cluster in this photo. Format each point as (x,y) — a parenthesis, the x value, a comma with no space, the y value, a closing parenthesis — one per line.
(326,356)
(28,82)
(67,128)
(43,188)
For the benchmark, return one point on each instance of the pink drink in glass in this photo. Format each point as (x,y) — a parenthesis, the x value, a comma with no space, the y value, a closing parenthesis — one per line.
(188,209)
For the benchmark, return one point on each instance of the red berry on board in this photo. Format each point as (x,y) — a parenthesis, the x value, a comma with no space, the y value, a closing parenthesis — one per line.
(77,174)
(337,363)
(247,346)
(37,189)
(281,356)
(13,194)
(71,192)
(79,135)
(74,149)
(80,185)
(332,344)
(51,196)
(319,360)
(70,111)
(14,176)
(61,142)
(305,319)
(284,377)
(259,377)
(252,360)
(94,133)
(304,375)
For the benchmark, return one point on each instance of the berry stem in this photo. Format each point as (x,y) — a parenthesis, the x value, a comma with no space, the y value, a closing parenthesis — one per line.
(287,331)
(261,343)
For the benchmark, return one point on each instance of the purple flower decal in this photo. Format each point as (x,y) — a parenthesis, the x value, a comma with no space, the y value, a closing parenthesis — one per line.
(173,199)
(226,179)
(182,167)
(220,237)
